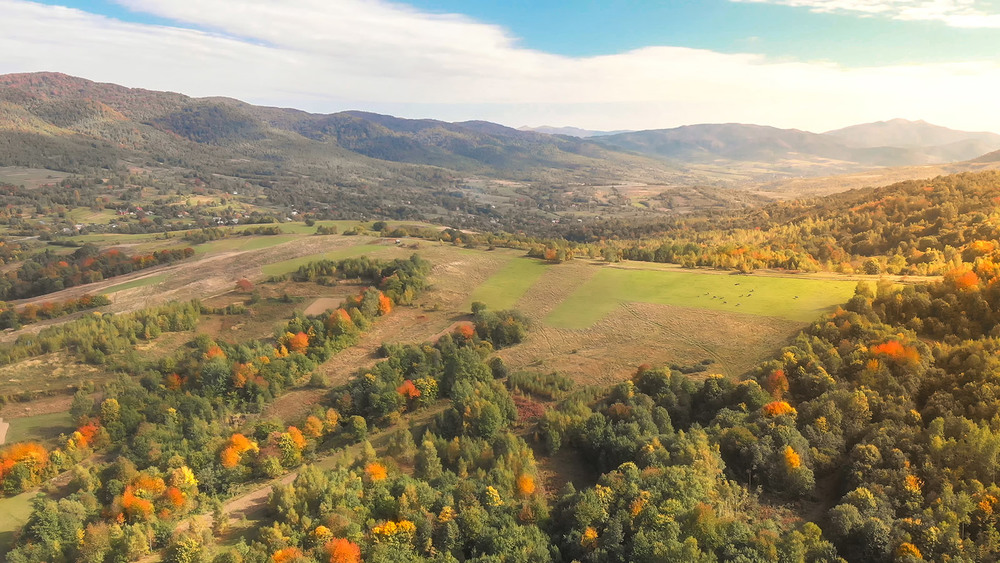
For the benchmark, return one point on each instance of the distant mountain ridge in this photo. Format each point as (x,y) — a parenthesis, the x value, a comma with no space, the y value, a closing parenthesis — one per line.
(893,143)
(572,131)
(52,120)
(904,133)
(46,115)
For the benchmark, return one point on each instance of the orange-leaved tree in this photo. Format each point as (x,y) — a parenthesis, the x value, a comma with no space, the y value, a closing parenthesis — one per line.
(313,427)
(384,304)
(375,471)
(408,390)
(792,459)
(297,438)
(29,455)
(525,485)
(286,555)
(896,350)
(298,342)
(237,445)
(778,408)
(465,330)
(777,384)
(343,551)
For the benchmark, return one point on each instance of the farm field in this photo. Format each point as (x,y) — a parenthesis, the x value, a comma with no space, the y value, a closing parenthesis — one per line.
(797,299)
(14,512)
(503,289)
(40,427)
(288,266)
(88,216)
(140,282)
(49,374)
(592,321)
(30,177)
(240,243)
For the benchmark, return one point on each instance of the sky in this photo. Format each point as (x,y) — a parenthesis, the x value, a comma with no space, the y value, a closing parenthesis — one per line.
(597,64)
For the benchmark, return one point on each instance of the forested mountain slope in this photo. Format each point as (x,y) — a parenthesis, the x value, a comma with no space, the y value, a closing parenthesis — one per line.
(896,143)
(154,125)
(915,227)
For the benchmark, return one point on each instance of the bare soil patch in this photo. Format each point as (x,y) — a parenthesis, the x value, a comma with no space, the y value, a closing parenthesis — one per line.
(322,305)
(46,405)
(566,466)
(295,406)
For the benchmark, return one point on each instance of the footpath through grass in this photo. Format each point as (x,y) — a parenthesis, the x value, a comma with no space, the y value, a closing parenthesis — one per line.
(799,299)
(504,288)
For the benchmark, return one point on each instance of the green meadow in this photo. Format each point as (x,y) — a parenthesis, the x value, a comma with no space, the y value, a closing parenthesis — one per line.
(798,299)
(503,289)
(14,512)
(39,428)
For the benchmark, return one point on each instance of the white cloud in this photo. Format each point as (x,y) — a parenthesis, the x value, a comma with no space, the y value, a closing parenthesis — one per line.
(330,55)
(955,13)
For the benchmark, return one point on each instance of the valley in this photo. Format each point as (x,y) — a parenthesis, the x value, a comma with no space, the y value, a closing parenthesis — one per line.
(243,333)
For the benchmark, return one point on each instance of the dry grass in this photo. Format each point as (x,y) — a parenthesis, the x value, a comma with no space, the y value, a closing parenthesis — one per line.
(46,405)
(455,274)
(48,374)
(295,406)
(638,333)
(817,187)
(322,304)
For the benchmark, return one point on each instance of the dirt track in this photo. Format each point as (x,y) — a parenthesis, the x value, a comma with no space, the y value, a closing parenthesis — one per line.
(201,278)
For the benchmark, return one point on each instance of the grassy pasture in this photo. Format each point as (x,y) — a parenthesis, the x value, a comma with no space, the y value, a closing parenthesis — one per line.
(112,239)
(504,288)
(86,215)
(299,228)
(796,299)
(241,243)
(288,266)
(52,374)
(39,428)
(30,177)
(258,243)
(14,512)
(141,282)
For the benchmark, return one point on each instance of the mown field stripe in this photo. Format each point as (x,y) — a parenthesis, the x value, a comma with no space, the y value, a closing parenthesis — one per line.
(799,299)
(141,282)
(504,288)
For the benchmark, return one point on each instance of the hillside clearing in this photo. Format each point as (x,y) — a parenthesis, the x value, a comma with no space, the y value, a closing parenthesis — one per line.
(40,428)
(797,299)
(503,289)
(288,266)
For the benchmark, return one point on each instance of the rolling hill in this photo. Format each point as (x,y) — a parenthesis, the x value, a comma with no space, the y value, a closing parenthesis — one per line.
(571,131)
(353,163)
(904,133)
(51,111)
(894,143)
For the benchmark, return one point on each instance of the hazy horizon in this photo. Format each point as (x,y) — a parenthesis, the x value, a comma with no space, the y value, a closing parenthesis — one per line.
(782,63)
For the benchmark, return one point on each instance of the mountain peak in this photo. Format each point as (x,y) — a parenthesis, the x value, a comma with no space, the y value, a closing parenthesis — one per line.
(906,133)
